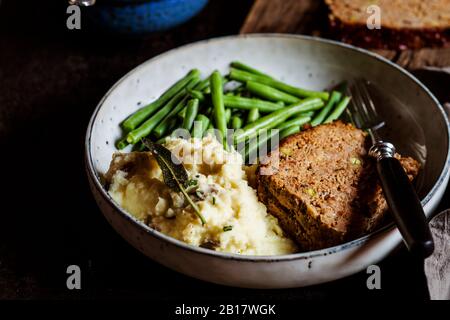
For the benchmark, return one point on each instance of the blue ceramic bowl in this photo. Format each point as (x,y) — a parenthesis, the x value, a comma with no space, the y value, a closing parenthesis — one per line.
(140,16)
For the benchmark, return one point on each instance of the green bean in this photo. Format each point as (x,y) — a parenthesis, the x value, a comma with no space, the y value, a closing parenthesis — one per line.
(200,125)
(121,144)
(163,127)
(253,115)
(191,113)
(182,112)
(243,76)
(219,108)
(270,93)
(307,114)
(241,66)
(335,98)
(197,95)
(236,122)
(207,90)
(228,115)
(146,128)
(254,147)
(170,127)
(289,131)
(338,110)
(133,121)
(275,118)
(203,85)
(297,121)
(250,103)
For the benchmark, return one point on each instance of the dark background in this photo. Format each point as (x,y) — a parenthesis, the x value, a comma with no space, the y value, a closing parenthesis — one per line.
(50,81)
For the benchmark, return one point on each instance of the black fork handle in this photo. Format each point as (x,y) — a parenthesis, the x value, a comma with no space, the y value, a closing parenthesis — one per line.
(405,207)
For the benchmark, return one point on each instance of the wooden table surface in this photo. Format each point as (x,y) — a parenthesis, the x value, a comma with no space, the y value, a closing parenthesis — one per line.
(310,17)
(51,79)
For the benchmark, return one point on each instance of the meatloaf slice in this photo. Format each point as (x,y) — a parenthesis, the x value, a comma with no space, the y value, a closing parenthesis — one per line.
(325,189)
(404,24)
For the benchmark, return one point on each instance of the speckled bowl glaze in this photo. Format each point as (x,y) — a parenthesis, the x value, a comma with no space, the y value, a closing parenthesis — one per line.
(140,16)
(416,123)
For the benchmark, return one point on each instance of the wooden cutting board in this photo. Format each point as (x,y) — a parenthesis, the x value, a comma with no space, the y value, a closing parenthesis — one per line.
(310,16)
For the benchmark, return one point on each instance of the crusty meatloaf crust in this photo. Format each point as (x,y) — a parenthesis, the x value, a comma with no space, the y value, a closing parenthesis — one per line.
(409,24)
(325,190)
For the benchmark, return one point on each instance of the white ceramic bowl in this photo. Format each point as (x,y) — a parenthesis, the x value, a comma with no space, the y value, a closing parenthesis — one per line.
(416,123)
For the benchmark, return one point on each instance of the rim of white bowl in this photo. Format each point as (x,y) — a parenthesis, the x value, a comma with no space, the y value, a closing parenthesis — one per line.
(263,258)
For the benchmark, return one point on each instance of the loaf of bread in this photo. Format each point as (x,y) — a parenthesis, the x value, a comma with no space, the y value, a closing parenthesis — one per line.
(405,24)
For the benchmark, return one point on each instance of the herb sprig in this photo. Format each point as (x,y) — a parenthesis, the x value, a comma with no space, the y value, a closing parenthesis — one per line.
(175,175)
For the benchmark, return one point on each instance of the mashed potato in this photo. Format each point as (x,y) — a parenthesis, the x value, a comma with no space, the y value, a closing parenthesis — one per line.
(236,221)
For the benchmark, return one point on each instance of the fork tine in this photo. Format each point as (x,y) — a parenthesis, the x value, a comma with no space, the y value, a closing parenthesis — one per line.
(363,106)
(349,92)
(354,104)
(358,103)
(351,106)
(363,102)
(372,112)
(374,119)
(350,110)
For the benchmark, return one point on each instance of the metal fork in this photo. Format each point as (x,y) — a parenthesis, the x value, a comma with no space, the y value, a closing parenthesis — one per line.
(398,190)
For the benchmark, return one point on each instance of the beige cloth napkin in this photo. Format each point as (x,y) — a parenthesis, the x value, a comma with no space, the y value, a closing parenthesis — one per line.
(437,267)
